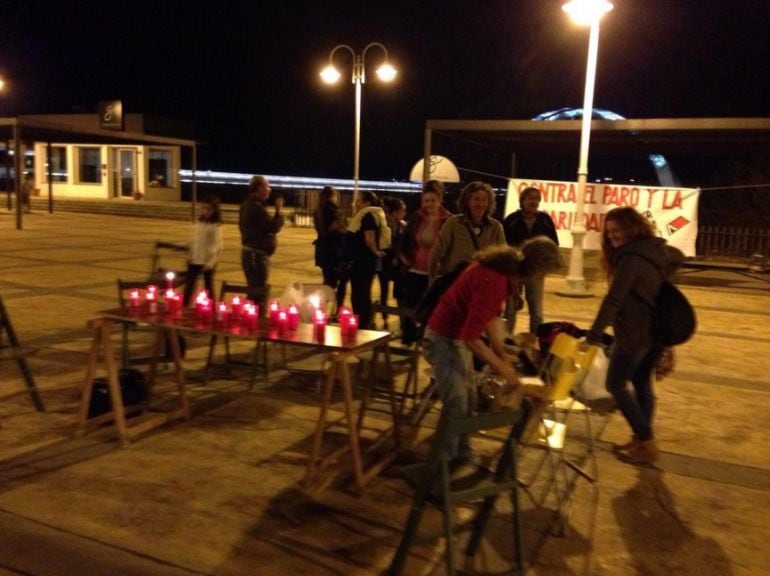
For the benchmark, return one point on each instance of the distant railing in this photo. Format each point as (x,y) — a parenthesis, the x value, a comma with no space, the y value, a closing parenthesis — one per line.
(732,243)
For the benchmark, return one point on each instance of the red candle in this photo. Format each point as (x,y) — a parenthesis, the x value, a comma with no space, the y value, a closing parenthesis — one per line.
(252,316)
(283,321)
(207,311)
(222,313)
(274,309)
(152,299)
(319,325)
(134,299)
(352,322)
(235,307)
(201,300)
(293,317)
(177,303)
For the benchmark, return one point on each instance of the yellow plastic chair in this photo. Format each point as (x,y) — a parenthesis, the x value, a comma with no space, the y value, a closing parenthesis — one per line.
(563,368)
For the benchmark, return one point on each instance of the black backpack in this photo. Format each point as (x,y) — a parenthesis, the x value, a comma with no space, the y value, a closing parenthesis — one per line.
(674,318)
(440,285)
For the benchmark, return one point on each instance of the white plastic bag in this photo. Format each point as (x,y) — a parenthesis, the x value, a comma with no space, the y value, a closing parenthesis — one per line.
(594,385)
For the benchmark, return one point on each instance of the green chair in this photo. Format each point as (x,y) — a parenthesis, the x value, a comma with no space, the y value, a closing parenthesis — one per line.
(435,483)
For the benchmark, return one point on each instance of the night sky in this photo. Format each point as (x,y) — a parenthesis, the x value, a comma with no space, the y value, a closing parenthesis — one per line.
(246,73)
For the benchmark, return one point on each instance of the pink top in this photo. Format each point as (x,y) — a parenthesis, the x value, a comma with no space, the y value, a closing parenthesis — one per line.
(471,302)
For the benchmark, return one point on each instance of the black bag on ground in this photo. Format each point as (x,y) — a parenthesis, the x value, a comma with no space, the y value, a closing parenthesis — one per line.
(440,285)
(133,389)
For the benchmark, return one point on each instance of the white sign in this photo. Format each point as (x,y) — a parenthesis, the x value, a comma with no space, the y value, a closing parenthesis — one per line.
(440,168)
(673,211)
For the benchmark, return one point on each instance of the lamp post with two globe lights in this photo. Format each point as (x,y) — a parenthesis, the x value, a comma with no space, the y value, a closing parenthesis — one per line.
(385,72)
(585,12)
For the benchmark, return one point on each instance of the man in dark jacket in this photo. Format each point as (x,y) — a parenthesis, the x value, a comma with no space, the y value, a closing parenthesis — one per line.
(259,232)
(525,223)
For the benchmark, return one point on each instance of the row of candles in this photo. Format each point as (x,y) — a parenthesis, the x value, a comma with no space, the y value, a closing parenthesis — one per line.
(239,311)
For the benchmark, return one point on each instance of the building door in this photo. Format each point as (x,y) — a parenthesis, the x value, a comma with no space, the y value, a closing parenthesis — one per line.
(123,172)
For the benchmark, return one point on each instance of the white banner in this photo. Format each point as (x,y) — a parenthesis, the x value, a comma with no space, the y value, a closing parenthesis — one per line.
(673,211)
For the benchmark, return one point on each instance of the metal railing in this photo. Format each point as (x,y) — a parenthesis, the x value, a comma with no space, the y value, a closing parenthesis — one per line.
(723,242)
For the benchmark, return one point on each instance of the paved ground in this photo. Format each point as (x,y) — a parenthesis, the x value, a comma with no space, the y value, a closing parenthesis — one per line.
(222,493)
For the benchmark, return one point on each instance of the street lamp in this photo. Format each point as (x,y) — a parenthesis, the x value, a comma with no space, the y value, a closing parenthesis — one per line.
(585,12)
(386,72)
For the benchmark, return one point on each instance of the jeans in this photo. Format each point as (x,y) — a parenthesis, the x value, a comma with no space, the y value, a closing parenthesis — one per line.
(361,294)
(534,292)
(452,363)
(637,407)
(256,266)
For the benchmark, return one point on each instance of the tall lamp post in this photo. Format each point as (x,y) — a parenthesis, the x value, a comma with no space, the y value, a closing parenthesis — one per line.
(385,72)
(585,12)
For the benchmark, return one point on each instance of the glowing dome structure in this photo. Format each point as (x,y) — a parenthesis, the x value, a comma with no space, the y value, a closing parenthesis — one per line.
(659,163)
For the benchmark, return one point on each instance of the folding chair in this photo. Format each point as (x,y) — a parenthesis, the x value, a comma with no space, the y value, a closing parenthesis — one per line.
(163,252)
(124,287)
(11,349)
(563,367)
(480,483)
(403,356)
(260,349)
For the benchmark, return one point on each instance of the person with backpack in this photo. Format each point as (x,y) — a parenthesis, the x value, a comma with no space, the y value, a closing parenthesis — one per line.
(367,238)
(471,309)
(636,263)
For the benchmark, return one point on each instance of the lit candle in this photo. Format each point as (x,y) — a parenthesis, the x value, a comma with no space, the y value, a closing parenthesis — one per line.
(170,280)
(177,303)
(293,317)
(315,301)
(274,309)
(134,299)
(200,302)
(222,313)
(152,299)
(283,321)
(319,325)
(344,314)
(235,307)
(170,297)
(352,325)
(207,311)
(252,316)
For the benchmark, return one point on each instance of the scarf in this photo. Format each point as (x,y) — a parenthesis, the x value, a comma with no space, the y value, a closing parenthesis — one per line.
(383,230)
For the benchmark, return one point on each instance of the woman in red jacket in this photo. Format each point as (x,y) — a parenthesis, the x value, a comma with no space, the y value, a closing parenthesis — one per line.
(472,308)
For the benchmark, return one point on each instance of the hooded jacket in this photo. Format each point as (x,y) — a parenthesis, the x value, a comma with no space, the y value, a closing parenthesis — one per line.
(639,269)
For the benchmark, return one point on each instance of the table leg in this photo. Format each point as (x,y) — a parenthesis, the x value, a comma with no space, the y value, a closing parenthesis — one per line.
(116,397)
(315,455)
(353,430)
(176,354)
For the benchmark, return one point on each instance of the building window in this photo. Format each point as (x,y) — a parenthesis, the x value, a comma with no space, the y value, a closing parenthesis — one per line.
(58,168)
(89,165)
(160,168)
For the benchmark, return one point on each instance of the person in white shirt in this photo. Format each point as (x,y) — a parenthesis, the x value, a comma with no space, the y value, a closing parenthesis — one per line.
(206,247)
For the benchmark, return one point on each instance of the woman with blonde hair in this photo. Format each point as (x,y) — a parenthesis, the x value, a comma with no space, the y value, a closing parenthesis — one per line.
(636,263)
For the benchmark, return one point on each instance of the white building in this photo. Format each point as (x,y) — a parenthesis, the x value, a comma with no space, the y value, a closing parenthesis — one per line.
(73,155)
